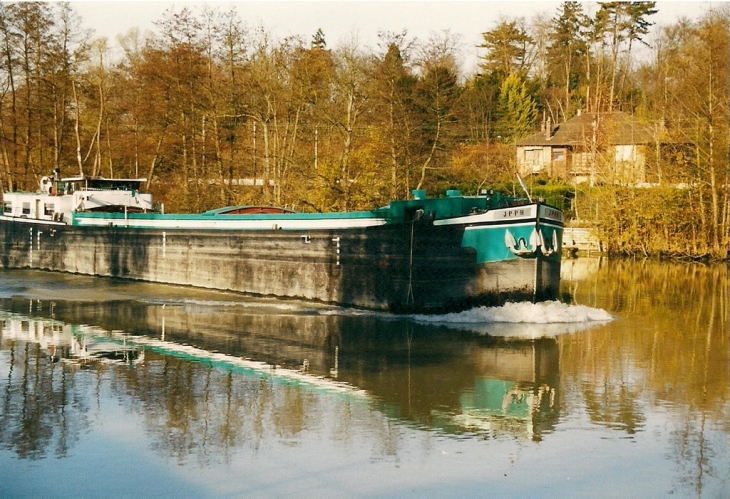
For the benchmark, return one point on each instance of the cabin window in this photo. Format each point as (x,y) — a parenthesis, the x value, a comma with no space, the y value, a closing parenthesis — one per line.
(26,208)
(49,209)
(7,207)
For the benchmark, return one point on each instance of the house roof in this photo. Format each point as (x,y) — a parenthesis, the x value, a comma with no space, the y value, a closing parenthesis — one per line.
(616,128)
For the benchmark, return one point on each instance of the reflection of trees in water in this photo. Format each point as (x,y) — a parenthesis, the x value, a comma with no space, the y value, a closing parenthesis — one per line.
(669,348)
(192,408)
(43,404)
(672,331)
(188,408)
(700,448)
(615,406)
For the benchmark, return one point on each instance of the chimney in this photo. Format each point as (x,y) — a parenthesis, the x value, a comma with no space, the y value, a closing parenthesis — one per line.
(548,129)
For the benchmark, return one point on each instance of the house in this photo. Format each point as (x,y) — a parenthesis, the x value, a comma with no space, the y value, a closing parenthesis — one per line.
(590,148)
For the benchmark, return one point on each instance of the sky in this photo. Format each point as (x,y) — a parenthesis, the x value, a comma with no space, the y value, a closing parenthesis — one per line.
(340,20)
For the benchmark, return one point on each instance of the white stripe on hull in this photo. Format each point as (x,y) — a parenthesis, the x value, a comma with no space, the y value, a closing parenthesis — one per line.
(472,222)
(508,215)
(530,223)
(274,224)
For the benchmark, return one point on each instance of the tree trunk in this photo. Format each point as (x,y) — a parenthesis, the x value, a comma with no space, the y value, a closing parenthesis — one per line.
(76,130)
(430,155)
(153,163)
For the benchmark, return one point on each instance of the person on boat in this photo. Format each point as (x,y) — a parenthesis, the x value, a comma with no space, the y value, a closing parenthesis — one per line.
(46,185)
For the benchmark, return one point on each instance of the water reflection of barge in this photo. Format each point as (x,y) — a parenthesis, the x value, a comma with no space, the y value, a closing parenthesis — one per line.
(424,375)
(67,341)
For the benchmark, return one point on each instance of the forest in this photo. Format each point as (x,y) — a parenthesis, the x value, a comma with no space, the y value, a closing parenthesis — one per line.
(214,111)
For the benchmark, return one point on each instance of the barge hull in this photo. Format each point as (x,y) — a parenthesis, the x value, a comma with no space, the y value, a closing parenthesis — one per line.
(405,267)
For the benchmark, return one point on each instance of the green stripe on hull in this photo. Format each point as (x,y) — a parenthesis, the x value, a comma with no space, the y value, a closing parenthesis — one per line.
(489,241)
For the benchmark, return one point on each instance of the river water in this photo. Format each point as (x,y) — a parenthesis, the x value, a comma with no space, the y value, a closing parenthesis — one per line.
(124,389)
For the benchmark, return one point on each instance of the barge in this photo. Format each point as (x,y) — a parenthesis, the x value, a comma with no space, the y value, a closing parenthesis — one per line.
(422,254)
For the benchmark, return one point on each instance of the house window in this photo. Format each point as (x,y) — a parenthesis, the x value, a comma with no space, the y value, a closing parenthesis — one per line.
(532,156)
(626,153)
(8,207)
(26,208)
(558,155)
(49,209)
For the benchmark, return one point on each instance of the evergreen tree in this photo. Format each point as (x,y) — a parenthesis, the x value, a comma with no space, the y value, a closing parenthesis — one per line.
(567,49)
(517,110)
(617,24)
(318,41)
(506,49)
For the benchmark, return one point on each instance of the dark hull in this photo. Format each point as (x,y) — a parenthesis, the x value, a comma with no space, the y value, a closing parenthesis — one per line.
(397,267)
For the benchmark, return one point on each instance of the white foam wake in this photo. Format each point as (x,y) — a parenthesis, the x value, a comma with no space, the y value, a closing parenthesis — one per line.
(524,312)
(523,319)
